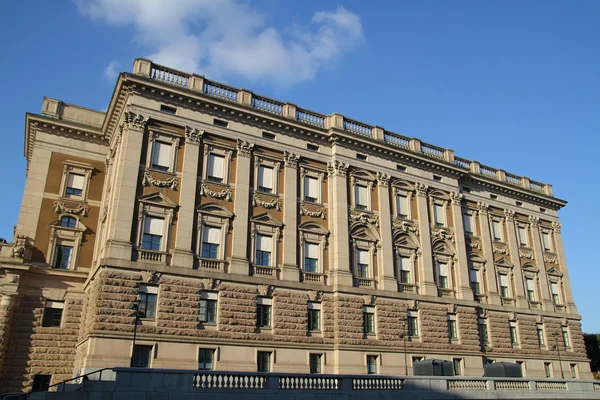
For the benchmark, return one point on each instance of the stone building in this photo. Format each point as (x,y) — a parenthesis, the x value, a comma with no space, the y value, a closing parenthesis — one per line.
(256,235)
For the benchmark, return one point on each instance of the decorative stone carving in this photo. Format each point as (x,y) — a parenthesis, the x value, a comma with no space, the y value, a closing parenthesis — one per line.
(482,207)
(370,300)
(170,183)
(526,254)
(19,246)
(509,215)
(482,312)
(539,319)
(442,234)
(336,168)
(104,213)
(383,180)
(223,194)
(456,198)
(404,226)
(12,278)
(244,148)
(422,189)
(534,221)
(413,305)
(320,213)
(556,226)
(135,120)
(150,276)
(211,284)
(475,244)
(257,201)
(61,208)
(550,260)
(290,159)
(265,290)
(315,295)
(364,218)
(193,135)
(500,250)
(107,163)
(513,316)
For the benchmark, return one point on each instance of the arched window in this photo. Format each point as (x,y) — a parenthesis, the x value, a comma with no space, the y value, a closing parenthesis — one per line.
(68,222)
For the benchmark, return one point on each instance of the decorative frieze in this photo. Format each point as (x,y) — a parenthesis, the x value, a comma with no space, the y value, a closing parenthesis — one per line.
(224,194)
(269,205)
(290,159)
(193,135)
(526,254)
(244,148)
(134,120)
(456,198)
(442,234)
(421,189)
(500,250)
(320,213)
(550,260)
(171,183)
(364,218)
(62,208)
(337,168)
(509,215)
(556,226)
(403,226)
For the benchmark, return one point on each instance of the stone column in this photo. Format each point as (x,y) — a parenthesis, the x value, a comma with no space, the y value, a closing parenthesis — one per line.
(545,298)
(562,262)
(386,270)
(182,254)
(463,285)
(340,265)
(509,219)
(427,279)
(241,209)
(290,270)
(120,227)
(488,252)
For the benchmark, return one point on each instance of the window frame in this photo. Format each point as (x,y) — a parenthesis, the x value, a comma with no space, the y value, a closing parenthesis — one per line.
(402,192)
(434,202)
(514,333)
(471,216)
(361,178)
(167,137)
(412,331)
(558,300)
(457,362)
(264,304)
(369,321)
(548,234)
(314,308)
(208,298)
(150,349)
(508,286)
(49,319)
(312,174)
(77,168)
(541,335)
(315,367)
(272,228)
(212,352)
(155,205)
(65,236)
(453,334)
(484,334)
(267,163)
(213,216)
(148,290)
(260,364)
(522,230)
(358,265)
(566,336)
(226,153)
(501,233)
(372,363)
(548,369)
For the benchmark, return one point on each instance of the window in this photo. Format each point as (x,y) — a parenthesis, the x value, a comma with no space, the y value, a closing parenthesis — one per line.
(565,336)
(147,301)
(68,222)
(215,169)
(468,223)
(444,280)
(457,363)
(574,371)
(371,365)
(264,247)
(523,236)
(497,231)
(519,204)
(268,135)
(402,206)
(311,257)
(493,197)
(211,238)
(311,192)
(546,241)
(504,288)
(369,320)
(312,147)
(540,335)
(40,383)
(483,330)
(53,314)
(438,215)
(153,233)
(362,263)
(314,316)
(361,157)
(167,109)
(361,199)
(75,184)
(263,312)
(542,210)
(530,285)
(206,359)
(555,291)
(263,361)
(514,339)
(161,156)
(62,256)
(452,328)
(466,189)
(400,168)
(208,307)
(475,281)
(437,178)
(405,270)
(315,363)
(413,323)
(221,123)
(265,179)
(548,369)
(141,356)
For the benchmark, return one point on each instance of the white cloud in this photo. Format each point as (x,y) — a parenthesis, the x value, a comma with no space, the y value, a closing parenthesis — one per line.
(221,38)
(112,70)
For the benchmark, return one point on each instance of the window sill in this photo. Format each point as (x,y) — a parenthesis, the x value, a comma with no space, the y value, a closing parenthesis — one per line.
(317,334)
(259,193)
(265,330)
(313,203)
(148,321)
(219,184)
(454,341)
(170,173)
(370,336)
(209,326)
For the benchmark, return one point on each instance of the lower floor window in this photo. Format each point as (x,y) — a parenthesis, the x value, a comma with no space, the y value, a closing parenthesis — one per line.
(314,320)
(141,356)
(574,371)
(263,360)
(371,365)
(41,382)
(205,359)
(62,256)
(457,363)
(548,369)
(315,363)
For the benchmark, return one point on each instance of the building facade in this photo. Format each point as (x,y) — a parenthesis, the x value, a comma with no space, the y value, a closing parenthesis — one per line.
(251,234)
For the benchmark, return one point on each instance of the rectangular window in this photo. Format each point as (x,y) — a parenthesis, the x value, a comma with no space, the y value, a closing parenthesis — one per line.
(523,236)
(548,369)
(413,323)
(215,168)
(474,280)
(40,383)
(546,241)
(452,328)
(371,365)
(75,184)
(497,231)
(540,335)
(53,314)
(361,200)
(268,135)
(263,361)
(147,301)
(438,215)
(504,288)
(153,233)
(263,312)
(206,359)
(468,223)
(167,109)
(221,123)
(530,285)
(574,371)
(457,364)
(265,179)
(361,157)
(264,247)
(208,307)
(141,356)
(444,280)
(314,316)
(362,263)
(311,186)
(311,257)
(405,270)
(315,363)
(312,147)
(514,339)
(62,256)
(402,206)
(483,330)
(161,156)
(555,291)
(369,320)
(565,336)
(211,238)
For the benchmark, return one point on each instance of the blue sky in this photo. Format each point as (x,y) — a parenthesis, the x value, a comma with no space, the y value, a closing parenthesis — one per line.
(512,84)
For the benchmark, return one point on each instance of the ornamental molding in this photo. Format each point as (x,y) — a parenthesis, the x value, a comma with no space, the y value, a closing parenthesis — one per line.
(193,135)
(483,208)
(151,277)
(534,221)
(12,278)
(526,254)
(403,226)
(210,284)
(413,305)
(364,218)
(315,295)
(134,120)
(509,215)
(421,189)
(337,168)
(266,290)
(500,250)
(257,201)
(320,213)
(224,194)
(61,208)
(244,148)
(556,226)
(550,260)
(456,198)
(171,183)
(107,163)
(290,159)
(383,180)
(20,245)
(475,244)
(370,300)
(442,234)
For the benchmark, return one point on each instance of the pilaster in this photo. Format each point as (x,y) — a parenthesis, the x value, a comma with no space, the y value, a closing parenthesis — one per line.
(562,261)
(545,297)
(290,270)
(463,286)
(488,252)
(386,271)
(340,265)
(426,260)
(513,246)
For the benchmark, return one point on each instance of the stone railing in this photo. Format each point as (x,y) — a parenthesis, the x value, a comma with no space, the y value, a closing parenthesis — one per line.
(366,282)
(223,92)
(151,256)
(313,277)
(229,381)
(467,384)
(313,382)
(209,263)
(511,385)
(259,270)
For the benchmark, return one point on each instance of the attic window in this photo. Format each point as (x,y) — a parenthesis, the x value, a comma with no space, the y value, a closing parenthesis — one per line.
(167,109)
(519,204)
(361,157)
(312,147)
(437,178)
(219,122)
(268,135)
(401,168)
(493,197)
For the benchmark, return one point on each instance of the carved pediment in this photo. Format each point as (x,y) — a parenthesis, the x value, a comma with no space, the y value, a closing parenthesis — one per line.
(314,228)
(364,232)
(554,271)
(406,240)
(157,199)
(215,209)
(503,262)
(530,267)
(443,247)
(266,219)
(476,258)
(80,226)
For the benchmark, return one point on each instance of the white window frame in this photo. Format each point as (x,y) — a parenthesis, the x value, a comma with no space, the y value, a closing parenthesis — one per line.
(368,184)
(223,228)
(533,279)
(61,235)
(550,241)
(484,321)
(77,168)
(268,163)
(443,259)
(397,192)
(439,203)
(471,216)
(559,290)
(315,234)
(208,295)
(509,284)
(478,273)
(226,153)
(526,242)
(274,233)
(410,254)
(372,311)
(164,136)
(413,314)
(500,229)
(148,209)
(319,176)
(315,305)
(319,257)
(370,251)
(215,217)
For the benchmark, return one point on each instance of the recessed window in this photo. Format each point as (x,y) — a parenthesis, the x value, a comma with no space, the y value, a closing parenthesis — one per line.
(565,336)
(206,359)
(311,189)
(400,168)
(153,233)
(437,178)
(444,276)
(493,197)
(438,215)
(53,314)
(497,231)
(514,339)
(263,360)
(265,179)
(452,328)
(372,365)
(413,324)
(475,281)
(483,330)
(221,123)
(312,147)
(362,263)
(314,316)
(268,135)
(468,224)
(523,237)
(405,270)
(161,156)
(546,241)
(555,292)
(264,247)
(208,307)
(457,364)
(402,206)
(211,239)
(361,157)
(141,356)
(62,256)
(68,222)
(530,286)
(361,198)
(215,168)
(311,257)
(168,109)
(540,335)
(504,288)
(466,189)
(147,301)
(548,369)
(369,320)
(75,184)
(263,312)
(40,383)
(315,363)
(542,210)
(519,204)
(574,371)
